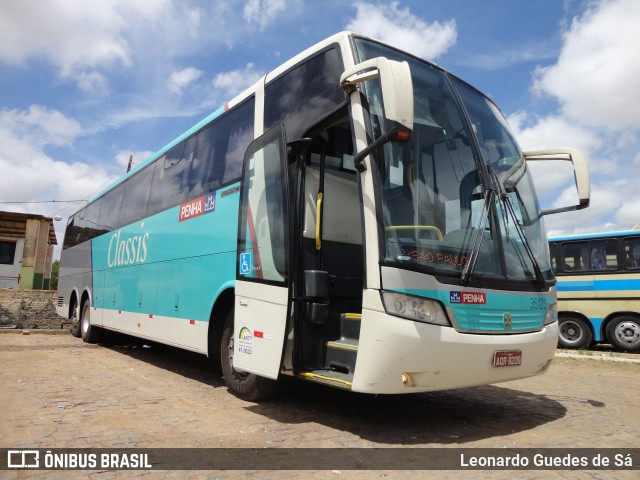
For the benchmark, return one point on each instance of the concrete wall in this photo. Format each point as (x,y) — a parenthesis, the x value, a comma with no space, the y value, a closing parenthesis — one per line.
(32,309)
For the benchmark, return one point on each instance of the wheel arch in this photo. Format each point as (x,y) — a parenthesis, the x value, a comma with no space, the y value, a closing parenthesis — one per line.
(86,297)
(223,304)
(73,300)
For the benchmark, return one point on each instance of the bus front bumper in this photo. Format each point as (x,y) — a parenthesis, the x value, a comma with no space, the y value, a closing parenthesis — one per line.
(403,356)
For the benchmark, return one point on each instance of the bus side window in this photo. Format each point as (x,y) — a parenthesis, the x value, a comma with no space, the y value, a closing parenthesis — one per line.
(632,253)
(575,257)
(304,94)
(111,206)
(220,150)
(171,178)
(553,252)
(604,254)
(135,195)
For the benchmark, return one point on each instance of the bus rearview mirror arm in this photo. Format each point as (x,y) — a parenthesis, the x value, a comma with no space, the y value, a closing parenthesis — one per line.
(397,99)
(581,174)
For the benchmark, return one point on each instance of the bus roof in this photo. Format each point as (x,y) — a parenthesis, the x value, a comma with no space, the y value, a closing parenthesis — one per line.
(591,236)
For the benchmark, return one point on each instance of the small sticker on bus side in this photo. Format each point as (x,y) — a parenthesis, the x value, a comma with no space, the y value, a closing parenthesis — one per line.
(244,266)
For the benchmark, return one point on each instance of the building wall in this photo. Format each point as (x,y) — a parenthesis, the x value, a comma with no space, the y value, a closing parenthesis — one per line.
(9,273)
(35,273)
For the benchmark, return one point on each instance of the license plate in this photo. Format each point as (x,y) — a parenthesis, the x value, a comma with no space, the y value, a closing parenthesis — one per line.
(507,358)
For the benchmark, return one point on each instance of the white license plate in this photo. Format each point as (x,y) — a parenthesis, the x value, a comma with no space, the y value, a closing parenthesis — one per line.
(507,358)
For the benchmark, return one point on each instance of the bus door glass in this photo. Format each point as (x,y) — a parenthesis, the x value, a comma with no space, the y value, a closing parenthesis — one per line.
(262,277)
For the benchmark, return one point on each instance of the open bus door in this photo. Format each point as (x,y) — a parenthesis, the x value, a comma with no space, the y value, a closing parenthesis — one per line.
(262,265)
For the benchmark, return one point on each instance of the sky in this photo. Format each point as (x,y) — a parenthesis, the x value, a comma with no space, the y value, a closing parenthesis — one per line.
(84,85)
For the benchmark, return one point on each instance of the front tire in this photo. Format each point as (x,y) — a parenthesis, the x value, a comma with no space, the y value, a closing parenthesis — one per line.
(90,333)
(247,386)
(574,333)
(624,333)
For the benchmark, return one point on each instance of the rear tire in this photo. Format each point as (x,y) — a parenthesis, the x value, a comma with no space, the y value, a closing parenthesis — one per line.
(75,320)
(90,333)
(624,333)
(574,333)
(247,386)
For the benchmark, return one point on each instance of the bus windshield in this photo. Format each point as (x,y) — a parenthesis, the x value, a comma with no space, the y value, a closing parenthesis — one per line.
(456,199)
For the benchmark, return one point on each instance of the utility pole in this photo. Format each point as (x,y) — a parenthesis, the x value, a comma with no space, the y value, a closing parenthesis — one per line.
(130,163)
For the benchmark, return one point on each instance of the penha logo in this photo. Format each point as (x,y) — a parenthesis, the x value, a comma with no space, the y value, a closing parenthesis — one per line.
(476,298)
(198,207)
(127,251)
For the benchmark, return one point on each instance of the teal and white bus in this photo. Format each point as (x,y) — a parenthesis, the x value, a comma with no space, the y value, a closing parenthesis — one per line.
(359,217)
(598,289)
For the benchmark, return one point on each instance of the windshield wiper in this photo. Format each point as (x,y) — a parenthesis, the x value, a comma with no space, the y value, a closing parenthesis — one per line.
(506,201)
(477,243)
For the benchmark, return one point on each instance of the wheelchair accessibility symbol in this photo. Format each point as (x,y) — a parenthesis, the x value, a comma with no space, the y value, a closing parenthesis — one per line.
(245,264)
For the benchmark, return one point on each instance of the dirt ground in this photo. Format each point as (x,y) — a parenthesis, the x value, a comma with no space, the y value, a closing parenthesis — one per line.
(58,392)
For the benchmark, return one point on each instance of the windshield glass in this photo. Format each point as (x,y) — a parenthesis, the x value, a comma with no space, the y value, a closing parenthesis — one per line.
(457,199)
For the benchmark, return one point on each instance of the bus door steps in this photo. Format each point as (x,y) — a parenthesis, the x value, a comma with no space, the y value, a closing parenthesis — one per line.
(342,353)
(329,377)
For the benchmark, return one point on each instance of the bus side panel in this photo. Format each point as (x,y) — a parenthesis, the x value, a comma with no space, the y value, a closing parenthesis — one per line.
(161,274)
(75,273)
(598,297)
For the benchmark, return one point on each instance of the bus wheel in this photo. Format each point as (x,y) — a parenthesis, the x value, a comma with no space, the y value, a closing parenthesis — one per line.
(624,333)
(75,320)
(90,333)
(246,386)
(574,333)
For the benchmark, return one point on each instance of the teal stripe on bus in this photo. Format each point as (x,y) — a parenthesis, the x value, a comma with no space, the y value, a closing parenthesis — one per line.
(163,266)
(598,285)
(527,311)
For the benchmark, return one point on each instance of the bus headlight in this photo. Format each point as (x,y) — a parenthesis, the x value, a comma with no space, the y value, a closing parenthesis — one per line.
(414,308)
(551,315)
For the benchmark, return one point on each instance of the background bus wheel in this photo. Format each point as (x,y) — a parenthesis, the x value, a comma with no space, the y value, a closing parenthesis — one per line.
(624,333)
(75,320)
(574,333)
(246,386)
(90,333)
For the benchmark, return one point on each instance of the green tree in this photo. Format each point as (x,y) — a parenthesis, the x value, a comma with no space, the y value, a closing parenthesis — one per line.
(55,267)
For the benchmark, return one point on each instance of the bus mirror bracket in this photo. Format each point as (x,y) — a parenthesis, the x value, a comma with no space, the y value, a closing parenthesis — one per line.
(581,174)
(397,99)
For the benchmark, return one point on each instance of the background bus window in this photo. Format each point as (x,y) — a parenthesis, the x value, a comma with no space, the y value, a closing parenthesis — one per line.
(631,253)
(575,257)
(553,252)
(604,255)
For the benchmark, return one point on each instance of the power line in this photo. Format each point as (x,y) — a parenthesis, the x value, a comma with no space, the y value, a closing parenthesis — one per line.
(46,201)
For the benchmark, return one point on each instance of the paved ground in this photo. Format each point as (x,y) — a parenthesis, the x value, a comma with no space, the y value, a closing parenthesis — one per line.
(57,391)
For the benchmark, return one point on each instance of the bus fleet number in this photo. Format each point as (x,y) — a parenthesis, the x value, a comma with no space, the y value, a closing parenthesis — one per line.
(537,303)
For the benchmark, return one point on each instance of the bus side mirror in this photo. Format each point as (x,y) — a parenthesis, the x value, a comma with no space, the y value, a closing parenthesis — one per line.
(397,98)
(580,170)
(397,86)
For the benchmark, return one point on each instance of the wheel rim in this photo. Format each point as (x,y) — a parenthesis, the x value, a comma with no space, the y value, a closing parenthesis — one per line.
(75,318)
(628,333)
(240,376)
(571,332)
(84,321)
